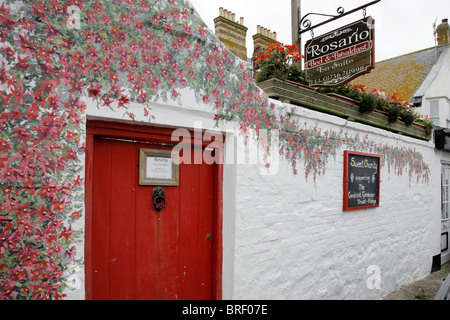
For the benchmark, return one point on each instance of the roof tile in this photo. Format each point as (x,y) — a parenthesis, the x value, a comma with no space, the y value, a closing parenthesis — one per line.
(402,75)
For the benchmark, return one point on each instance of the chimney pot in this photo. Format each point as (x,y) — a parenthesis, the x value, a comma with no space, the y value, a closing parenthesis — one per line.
(242,20)
(221,11)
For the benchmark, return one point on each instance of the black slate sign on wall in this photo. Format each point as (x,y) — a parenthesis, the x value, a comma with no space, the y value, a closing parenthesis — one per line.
(361,181)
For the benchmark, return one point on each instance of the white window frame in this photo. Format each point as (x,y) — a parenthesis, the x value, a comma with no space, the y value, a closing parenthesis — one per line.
(435,111)
(445,192)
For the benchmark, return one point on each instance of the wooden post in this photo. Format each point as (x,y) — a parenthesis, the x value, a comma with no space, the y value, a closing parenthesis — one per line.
(295,18)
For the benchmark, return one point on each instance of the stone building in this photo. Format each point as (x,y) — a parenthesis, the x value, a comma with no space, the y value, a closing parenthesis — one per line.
(139,160)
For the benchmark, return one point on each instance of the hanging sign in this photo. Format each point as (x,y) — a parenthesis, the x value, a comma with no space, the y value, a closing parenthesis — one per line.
(342,55)
(361,181)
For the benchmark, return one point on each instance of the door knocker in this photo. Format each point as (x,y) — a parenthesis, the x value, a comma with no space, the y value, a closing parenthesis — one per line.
(159,198)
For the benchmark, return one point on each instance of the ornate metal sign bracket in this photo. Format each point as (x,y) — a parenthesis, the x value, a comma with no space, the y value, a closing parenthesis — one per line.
(305,24)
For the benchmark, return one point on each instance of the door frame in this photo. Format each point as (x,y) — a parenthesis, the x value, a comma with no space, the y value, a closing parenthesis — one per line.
(158,135)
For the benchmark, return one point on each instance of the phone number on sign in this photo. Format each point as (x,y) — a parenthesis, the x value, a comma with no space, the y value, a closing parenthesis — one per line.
(339,76)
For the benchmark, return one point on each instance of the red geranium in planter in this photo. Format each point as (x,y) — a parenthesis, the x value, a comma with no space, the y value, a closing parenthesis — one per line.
(281,62)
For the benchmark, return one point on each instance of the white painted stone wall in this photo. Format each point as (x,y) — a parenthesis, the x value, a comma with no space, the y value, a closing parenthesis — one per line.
(288,238)
(439,87)
(293,240)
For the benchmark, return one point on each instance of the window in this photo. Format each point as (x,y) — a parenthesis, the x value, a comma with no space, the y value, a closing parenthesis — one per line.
(447,109)
(445,203)
(434,112)
(444,242)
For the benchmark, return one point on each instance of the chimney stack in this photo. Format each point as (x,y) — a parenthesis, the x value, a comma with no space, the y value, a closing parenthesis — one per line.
(443,32)
(231,33)
(261,41)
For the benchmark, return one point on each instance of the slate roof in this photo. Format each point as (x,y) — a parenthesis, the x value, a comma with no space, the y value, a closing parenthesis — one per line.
(403,74)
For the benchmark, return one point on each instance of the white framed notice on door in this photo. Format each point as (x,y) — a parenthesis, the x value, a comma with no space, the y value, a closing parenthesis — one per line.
(158,168)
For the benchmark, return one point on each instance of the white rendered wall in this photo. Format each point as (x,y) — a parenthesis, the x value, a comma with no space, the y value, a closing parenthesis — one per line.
(439,90)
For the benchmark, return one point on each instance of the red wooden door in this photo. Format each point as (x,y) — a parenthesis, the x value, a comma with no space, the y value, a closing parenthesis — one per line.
(138,252)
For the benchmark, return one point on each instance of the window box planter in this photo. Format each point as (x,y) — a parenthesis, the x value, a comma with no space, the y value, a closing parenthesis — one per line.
(305,96)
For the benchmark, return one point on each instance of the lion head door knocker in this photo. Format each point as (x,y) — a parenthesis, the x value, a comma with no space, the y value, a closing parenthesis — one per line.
(159,199)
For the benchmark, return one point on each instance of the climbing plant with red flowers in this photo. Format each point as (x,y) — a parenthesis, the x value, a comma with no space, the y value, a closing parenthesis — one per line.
(59,55)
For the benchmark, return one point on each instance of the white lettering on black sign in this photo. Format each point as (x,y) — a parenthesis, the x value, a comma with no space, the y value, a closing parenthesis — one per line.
(341,55)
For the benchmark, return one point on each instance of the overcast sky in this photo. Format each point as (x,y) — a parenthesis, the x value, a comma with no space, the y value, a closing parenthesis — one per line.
(401,26)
